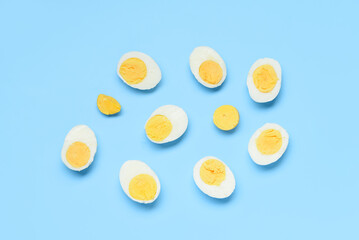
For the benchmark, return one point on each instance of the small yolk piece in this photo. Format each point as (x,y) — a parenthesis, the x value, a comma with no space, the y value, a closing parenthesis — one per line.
(143,187)
(210,72)
(78,154)
(265,78)
(133,70)
(158,128)
(269,141)
(212,172)
(226,117)
(108,105)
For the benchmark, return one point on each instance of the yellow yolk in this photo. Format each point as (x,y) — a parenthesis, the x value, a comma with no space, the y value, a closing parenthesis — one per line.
(143,187)
(212,172)
(265,78)
(108,105)
(269,141)
(78,154)
(133,70)
(158,128)
(210,72)
(226,117)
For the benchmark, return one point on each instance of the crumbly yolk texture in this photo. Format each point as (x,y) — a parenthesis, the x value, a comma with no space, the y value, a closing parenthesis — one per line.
(78,154)
(212,172)
(210,72)
(269,141)
(143,187)
(226,117)
(265,78)
(133,70)
(108,105)
(158,128)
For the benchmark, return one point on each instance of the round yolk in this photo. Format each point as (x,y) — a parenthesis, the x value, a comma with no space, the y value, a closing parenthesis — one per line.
(212,172)
(143,187)
(78,154)
(265,78)
(158,128)
(210,72)
(108,105)
(269,141)
(226,117)
(133,70)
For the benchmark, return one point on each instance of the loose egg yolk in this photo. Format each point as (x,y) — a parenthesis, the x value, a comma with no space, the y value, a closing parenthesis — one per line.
(158,128)
(265,78)
(226,117)
(212,172)
(210,72)
(269,141)
(143,187)
(78,154)
(133,70)
(108,105)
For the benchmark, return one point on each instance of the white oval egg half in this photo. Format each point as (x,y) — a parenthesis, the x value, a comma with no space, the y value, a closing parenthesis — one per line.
(226,187)
(85,135)
(263,159)
(202,54)
(153,75)
(257,95)
(178,118)
(133,168)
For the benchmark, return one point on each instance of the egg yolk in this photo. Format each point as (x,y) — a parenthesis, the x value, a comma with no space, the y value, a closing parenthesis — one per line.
(143,187)
(226,117)
(158,128)
(108,105)
(210,72)
(265,78)
(78,154)
(133,70)
(212,172)
(269,141)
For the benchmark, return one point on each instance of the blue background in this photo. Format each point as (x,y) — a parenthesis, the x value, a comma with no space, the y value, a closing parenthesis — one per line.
(57,57)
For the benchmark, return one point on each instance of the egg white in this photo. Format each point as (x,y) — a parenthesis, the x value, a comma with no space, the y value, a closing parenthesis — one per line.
(201,54)
(153,75)
(178,118)
(255,94)
(260,158)
(131,169)
(222,191)
(80,133)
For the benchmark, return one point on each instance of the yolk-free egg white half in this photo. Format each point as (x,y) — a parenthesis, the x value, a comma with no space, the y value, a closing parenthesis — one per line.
(224,190)
(260,158)
(257,95)
(84,134)
(131,169)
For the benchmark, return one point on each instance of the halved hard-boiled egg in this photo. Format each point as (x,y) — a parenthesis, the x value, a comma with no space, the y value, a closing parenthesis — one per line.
(166,124)
(139,181)
(268,144)
(264,80)
(108,105)
(213,177)
(79,148)
(207,67)
(139,70)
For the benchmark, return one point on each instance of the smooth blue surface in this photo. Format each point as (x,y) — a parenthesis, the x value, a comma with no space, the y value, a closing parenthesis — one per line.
(55,58)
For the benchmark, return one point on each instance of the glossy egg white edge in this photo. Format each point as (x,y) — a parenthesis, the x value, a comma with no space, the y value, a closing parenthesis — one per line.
(222,191)
(178,119)
(80,133)
(153,75)
(255,94)
(132,168)
(260,158)
(201,54)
